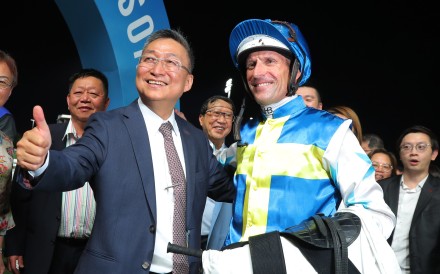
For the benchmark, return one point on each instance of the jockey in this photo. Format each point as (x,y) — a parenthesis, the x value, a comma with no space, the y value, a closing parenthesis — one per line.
(292,161)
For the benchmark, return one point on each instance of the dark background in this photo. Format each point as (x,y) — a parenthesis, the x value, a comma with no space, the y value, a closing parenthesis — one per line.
(379,58)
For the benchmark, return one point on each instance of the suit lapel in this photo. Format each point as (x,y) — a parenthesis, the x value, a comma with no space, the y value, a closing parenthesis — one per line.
(425,196)
(188,152)
(57,132)
(135,124)
(393,194)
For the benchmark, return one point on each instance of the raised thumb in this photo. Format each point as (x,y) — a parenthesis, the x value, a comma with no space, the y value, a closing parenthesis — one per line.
(40,121)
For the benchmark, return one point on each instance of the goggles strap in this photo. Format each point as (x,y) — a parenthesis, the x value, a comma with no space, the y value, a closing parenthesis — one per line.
(237,123)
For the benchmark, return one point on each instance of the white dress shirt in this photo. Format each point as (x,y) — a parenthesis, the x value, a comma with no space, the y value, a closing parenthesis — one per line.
(408,199)
(162,261)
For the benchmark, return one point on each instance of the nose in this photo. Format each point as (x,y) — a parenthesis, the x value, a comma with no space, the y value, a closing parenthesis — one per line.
(259,68)
(158,67)
(222,118)
(85,96)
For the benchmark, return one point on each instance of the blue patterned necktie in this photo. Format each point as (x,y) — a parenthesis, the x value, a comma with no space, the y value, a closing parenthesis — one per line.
(180,262)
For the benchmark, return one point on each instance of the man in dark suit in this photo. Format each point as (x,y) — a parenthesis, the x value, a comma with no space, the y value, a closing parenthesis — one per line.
(414,197)
(49,236)
(216,118)
(133,192)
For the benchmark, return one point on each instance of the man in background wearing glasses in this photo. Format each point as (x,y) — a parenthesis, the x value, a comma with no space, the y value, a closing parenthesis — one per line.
(216,118)
(414,197)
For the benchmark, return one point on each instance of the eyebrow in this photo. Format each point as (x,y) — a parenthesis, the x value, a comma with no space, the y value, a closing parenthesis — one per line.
(381,163)
(216,108)
(167,54)
(219,111)
(308,96)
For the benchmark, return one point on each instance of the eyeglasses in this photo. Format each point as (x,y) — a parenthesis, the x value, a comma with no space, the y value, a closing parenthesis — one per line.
(386,167)
(4,85)
(218,114)
(420,147)
(169,64)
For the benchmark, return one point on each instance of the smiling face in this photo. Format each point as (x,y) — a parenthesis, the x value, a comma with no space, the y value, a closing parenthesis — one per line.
(86,97)
(158,87)
(267,75)
(217,121)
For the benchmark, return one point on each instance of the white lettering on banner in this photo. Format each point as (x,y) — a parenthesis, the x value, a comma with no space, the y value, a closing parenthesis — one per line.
(127,11)
(145,20)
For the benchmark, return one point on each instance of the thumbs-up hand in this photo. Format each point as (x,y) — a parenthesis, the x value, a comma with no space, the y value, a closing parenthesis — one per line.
(33,147)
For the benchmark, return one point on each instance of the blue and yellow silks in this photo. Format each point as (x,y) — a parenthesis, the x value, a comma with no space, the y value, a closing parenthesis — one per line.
(281,171)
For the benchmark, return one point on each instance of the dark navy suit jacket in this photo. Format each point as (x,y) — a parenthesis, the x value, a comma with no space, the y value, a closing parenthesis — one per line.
(114,156)
(424,233)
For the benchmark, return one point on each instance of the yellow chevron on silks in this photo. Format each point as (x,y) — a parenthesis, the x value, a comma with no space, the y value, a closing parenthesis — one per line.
(256,162)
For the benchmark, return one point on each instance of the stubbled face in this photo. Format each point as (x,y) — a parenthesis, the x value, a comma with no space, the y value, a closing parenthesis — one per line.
(310,97)
(86,97)
(156,83)
(5,77)
(217,122)
(382,165)
(414,160)
(267,75)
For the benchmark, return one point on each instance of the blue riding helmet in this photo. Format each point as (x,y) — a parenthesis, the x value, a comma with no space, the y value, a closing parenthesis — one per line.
(283,37)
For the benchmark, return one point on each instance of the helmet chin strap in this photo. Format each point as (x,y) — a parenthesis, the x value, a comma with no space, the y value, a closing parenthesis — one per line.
(293,86)
(239,117)
(237,124)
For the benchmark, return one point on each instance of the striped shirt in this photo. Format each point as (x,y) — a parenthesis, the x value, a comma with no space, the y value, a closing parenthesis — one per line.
(78,206)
